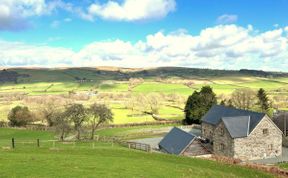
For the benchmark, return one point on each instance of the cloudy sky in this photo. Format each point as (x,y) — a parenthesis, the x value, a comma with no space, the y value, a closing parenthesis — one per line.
(221,34)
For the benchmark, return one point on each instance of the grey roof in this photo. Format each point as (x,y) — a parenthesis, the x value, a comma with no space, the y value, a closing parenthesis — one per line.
(214,115)
(176,141)
(237,127)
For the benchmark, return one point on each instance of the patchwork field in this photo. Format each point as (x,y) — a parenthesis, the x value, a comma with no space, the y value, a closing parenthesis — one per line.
(114,87)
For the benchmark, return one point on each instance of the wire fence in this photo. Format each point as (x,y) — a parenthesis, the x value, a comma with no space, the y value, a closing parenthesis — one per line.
(15,143)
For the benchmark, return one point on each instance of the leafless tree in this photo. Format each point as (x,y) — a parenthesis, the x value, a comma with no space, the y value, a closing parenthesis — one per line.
(243,98)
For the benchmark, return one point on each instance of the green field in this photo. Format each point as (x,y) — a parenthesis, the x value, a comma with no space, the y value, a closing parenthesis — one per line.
(102,160)
(111,87)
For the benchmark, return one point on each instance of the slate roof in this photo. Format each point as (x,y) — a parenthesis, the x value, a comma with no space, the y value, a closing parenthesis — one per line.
(217,112)
(237,127)
(176,141)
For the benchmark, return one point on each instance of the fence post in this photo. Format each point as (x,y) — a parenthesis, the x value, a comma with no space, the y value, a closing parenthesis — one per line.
(13,143)
(38,142)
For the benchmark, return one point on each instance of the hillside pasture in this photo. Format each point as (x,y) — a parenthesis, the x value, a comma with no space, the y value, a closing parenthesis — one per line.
(100,159)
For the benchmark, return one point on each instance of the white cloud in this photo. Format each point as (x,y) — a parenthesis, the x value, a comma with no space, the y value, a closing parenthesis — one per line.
(223,46)
(14,13)
(21,54)
(227,19)
(132,10)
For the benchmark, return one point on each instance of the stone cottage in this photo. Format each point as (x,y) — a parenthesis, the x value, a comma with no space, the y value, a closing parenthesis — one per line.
(241,134)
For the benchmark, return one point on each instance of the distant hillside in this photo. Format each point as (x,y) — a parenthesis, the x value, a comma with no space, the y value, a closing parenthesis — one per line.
(11,76)
(23,75)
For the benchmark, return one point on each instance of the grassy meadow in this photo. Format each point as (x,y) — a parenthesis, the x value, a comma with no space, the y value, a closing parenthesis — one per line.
(100,160)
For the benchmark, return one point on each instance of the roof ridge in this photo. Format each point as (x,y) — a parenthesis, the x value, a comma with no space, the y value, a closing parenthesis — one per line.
(228,107)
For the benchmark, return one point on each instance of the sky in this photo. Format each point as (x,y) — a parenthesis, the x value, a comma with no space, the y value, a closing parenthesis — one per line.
(218,34)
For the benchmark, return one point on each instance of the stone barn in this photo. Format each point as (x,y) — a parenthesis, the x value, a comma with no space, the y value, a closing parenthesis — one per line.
(241,134)
(179,142)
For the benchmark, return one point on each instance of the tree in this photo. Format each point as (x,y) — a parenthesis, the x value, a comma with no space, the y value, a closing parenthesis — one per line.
(243,98)
(100,114)
(61,123)
(263,100)
(20,116)
(134,82)
(77,114)
(198,104)
(48,112)
(149,104)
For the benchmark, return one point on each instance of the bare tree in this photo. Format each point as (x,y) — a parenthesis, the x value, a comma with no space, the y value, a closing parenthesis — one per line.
(48,113)
(148,104)
(243,98)
(100,114)
(134,82)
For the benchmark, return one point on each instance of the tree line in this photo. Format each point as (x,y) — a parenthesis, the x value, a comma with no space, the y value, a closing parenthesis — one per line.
(72,118)
(200,102)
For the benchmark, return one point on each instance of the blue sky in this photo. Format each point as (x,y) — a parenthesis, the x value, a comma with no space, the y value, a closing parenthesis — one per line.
(86,33)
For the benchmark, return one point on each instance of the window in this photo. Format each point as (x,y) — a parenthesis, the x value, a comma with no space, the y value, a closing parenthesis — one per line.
(222,147)
(265,132)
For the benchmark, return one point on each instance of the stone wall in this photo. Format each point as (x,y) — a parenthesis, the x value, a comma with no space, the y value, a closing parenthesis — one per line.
(223,138)
(207,131)
(258,145)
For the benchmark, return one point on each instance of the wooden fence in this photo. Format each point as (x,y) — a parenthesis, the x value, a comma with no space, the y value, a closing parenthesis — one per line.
(112,140)
(128,144)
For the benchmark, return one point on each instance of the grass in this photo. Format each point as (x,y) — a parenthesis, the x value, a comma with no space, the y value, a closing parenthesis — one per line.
(150,87)
(283,166)
(123,116)
(103,160)
(107,161)
(132,132)
(23,134)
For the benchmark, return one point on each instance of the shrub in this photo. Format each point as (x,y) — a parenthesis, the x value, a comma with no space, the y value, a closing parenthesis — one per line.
(20,116)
